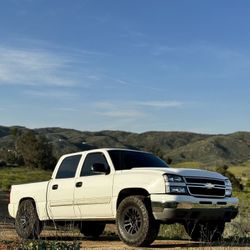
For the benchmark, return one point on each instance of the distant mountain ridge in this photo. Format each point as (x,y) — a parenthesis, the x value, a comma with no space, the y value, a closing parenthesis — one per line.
(206,149)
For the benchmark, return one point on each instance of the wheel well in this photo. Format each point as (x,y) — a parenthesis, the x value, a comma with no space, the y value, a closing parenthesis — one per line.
(129,192)
(28,198)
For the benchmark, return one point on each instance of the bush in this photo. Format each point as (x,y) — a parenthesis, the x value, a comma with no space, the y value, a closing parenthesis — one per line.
(235,182)
(248,184)
(173,231)
(35,150)
(43,245)
(2,163)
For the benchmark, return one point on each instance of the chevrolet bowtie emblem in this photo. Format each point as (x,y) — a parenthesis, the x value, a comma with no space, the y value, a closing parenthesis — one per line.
(209,186)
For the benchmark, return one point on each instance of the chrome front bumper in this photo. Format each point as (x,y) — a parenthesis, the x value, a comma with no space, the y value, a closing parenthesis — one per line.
(173,208)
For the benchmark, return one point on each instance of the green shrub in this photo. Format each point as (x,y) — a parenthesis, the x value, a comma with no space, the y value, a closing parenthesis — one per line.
(235,182)
(42,245)
(173,232)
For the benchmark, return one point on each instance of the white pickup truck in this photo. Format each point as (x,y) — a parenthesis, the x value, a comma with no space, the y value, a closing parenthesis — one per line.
(135,189)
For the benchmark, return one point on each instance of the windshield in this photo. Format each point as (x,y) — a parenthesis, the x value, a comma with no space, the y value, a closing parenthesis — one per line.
(123,159)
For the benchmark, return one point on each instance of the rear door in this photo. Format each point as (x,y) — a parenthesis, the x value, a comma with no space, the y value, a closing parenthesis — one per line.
(60,202)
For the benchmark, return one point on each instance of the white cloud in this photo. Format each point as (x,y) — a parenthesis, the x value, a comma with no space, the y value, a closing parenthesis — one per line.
(94,77)
(224,60)
(50,93)
(104,105)
(131,109)
(65,109)
(131,84)
(123,114)
(137,104)
(160,104)
(120,110)
(34,68)
(163,49)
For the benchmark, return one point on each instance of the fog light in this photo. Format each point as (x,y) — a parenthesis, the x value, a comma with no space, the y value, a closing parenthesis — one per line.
(228,192)
(178,190)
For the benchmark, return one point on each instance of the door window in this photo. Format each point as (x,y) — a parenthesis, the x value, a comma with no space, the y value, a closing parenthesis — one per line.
(92,159)
(68,167)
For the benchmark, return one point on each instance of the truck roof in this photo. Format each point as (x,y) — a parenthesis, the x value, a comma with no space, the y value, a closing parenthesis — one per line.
(104,150)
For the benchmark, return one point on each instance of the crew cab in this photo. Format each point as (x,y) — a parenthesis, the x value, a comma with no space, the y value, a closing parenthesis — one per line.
(134,189)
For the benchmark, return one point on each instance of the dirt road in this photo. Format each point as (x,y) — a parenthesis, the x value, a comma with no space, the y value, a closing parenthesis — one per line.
(106,244)
(109,241)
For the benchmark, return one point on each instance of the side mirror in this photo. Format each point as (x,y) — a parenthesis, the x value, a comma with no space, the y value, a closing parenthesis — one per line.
(99,168)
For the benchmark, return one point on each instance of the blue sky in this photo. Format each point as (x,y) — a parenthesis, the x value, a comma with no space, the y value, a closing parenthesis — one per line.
(134,65)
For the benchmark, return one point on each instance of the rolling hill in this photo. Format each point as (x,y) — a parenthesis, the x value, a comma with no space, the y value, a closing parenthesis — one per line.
(206,149)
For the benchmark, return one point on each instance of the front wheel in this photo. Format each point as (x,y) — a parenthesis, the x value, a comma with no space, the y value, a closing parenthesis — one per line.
(135,223)
(205,231)
(27,223)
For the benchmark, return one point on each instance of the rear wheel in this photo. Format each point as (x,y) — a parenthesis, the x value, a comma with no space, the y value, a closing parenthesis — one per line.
(205,231)
(93,229)
(27,223)
(135,223)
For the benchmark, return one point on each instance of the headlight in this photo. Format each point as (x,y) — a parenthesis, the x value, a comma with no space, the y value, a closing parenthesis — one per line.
(173,178)
(175,184)
(228,183)
(228,192)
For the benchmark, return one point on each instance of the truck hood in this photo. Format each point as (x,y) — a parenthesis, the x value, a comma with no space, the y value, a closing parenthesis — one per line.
(183,172)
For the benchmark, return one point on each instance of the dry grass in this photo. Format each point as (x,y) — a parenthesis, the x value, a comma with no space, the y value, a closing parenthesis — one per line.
(236,236)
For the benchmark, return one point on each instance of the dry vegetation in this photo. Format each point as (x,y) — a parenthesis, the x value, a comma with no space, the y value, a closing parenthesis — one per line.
(172,236)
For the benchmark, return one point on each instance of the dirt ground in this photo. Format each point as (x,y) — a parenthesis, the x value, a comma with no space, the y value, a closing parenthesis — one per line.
(109,241)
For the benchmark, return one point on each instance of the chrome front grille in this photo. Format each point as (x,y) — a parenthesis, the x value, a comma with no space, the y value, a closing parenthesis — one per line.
(205,187)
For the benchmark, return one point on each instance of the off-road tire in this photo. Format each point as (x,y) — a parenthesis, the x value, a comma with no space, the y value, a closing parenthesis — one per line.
(205,231)
(136,225)
(27,223)
(92,229)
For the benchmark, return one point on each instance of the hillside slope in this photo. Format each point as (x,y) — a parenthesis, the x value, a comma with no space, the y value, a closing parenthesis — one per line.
(179,146)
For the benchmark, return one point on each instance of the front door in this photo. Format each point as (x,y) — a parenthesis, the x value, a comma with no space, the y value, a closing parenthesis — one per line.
(93,191)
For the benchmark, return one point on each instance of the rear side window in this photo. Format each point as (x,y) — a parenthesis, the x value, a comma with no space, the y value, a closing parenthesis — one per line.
(115,156)
(68,167)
